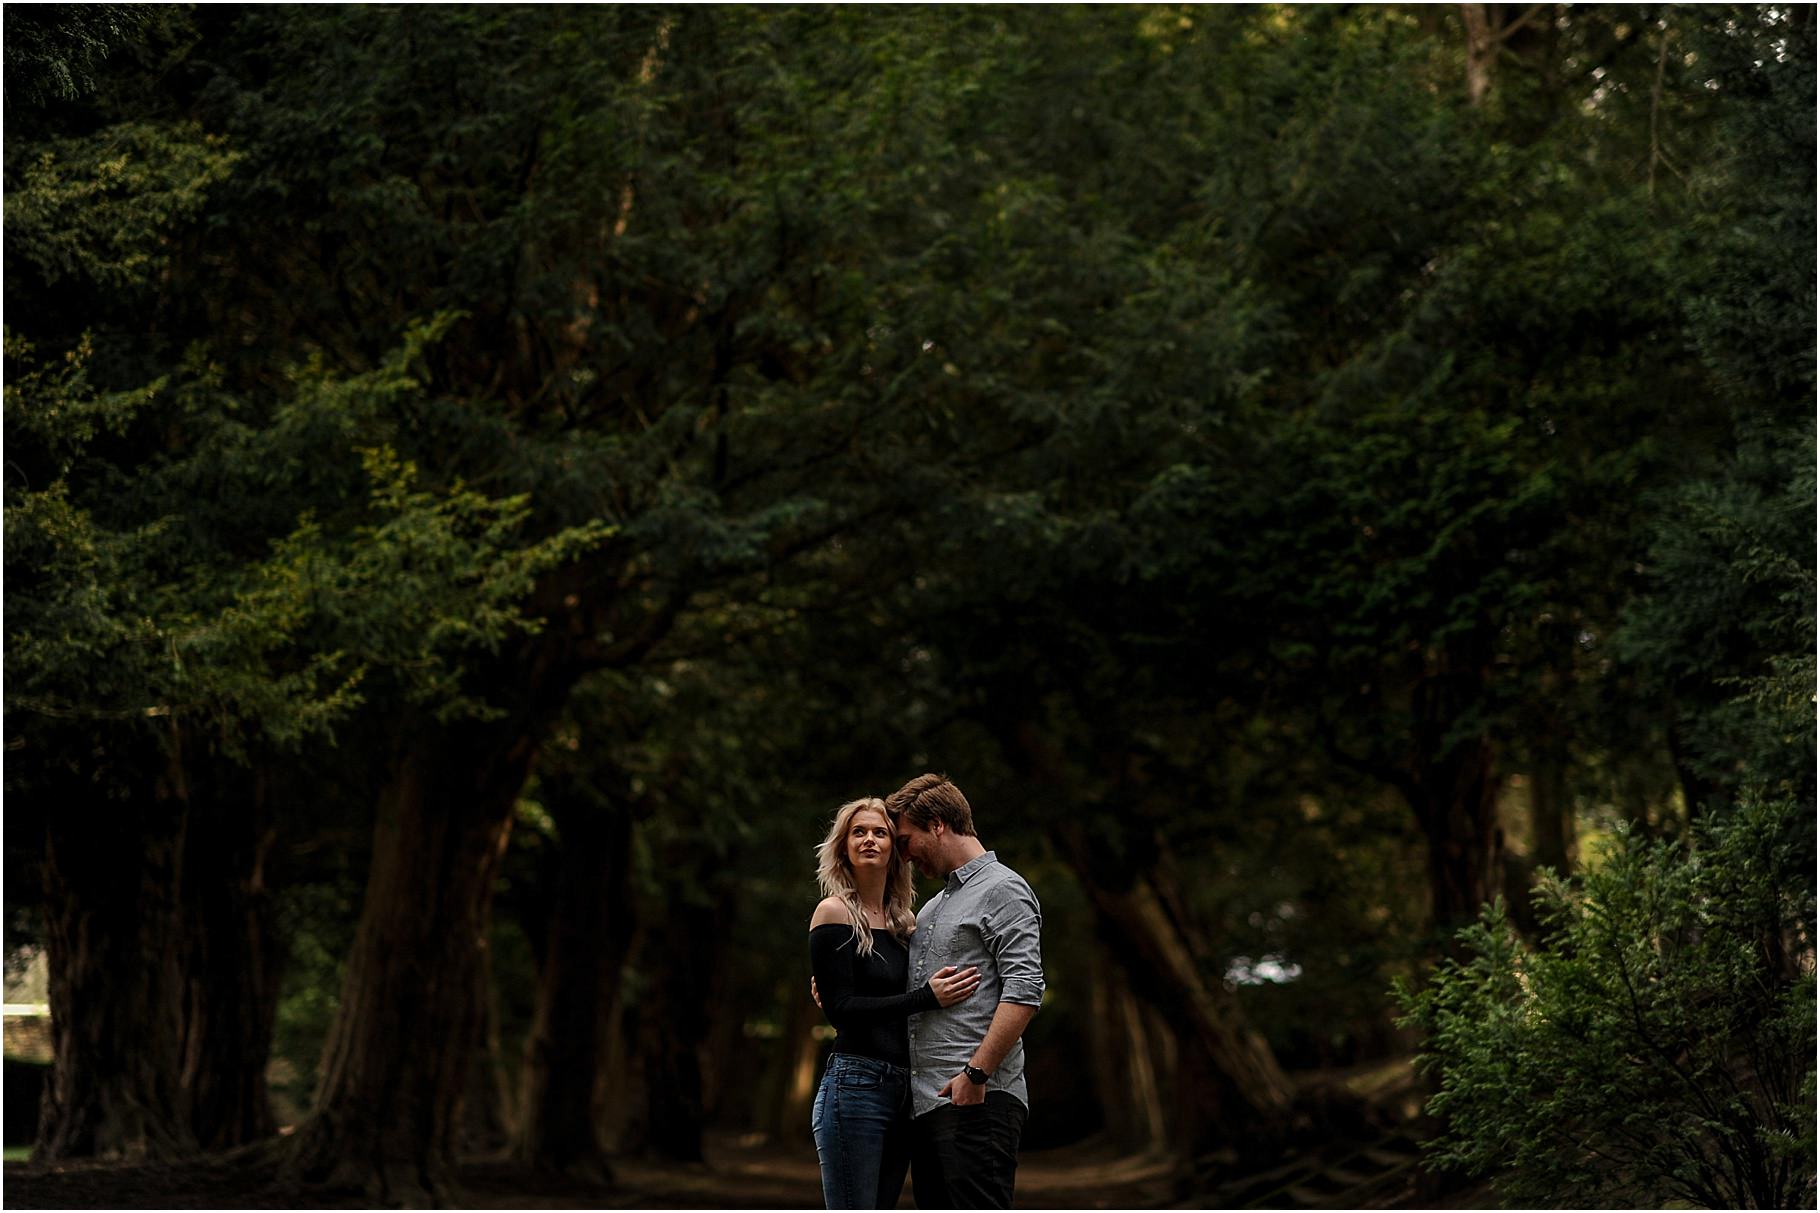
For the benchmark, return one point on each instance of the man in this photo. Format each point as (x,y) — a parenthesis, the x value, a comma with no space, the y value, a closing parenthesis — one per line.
(967,1091)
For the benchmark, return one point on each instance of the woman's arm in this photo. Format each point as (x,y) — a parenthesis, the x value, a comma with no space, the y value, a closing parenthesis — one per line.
(832,959)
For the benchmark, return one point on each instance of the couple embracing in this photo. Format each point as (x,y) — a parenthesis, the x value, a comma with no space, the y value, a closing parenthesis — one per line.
(927,1072)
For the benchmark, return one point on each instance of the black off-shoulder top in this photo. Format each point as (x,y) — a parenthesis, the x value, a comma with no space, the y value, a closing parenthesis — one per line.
(864,997)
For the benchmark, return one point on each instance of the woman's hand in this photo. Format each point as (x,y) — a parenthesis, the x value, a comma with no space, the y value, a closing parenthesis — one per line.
(951,985)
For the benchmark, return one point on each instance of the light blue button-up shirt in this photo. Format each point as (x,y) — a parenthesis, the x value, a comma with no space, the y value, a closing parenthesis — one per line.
(985,915)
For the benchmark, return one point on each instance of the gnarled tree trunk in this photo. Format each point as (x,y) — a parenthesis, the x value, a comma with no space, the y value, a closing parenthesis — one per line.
(1249,1088)
(163,967)
(397,1062)
(114,1089)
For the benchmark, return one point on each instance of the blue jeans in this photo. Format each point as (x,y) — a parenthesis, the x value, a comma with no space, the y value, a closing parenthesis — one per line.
(862,1131)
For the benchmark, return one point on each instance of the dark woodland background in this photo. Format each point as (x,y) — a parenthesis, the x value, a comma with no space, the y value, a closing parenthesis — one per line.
(483,484)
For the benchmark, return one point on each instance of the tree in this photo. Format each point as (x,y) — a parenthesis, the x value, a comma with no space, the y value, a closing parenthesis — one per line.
(1671,999)
(1728,601)
(157,923)
(1208,425)
(1653,1048)
(247,679)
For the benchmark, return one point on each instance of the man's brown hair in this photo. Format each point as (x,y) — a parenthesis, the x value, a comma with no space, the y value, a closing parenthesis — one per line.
(929,798)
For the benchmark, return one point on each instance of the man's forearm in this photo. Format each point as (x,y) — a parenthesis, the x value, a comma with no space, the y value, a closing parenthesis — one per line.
(1008,1023)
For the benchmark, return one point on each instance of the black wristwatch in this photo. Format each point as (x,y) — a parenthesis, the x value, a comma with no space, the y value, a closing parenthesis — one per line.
(975,1075)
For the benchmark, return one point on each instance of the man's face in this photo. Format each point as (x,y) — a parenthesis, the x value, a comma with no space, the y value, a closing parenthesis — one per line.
(920,846)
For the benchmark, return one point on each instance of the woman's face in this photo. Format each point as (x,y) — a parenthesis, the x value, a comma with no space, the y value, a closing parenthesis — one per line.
(869,841)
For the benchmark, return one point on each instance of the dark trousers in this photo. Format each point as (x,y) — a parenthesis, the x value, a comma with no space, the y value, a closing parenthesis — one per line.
(966,1158)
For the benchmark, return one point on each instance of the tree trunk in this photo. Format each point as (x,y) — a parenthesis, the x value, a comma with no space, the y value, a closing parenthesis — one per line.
(1482,43)
(1248,1088)
(787,1090)
(686,944)
(673,1078)
(114,1089)
(164,968)
(619,1099)
(588,944)
(488,1125)
(720,1051)
(397,1062)
(1130,1093)
(1497,31)
(1456,802)
(232,960)
(1552,816)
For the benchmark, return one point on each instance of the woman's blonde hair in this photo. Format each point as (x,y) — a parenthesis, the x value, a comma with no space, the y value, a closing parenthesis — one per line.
(834,873)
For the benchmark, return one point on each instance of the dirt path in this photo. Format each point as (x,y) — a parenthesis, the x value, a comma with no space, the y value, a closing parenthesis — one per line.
(752,1174)
(738,1175)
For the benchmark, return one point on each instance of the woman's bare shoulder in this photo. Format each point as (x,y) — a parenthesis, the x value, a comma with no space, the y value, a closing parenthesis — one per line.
(831,912)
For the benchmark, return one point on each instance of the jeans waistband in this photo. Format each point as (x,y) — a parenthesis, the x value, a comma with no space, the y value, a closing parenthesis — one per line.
(856,1061)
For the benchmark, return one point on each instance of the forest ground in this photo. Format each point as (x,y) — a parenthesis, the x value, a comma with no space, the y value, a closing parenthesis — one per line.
(1366,1167)
(738,1174)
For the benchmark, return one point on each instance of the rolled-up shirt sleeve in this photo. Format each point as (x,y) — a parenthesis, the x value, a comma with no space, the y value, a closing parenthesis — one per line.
(1012,929)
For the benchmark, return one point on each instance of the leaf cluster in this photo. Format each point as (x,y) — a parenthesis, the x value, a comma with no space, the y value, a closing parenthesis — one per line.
(1657,1045)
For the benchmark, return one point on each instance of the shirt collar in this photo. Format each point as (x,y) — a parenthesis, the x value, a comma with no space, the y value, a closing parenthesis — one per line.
(970,869)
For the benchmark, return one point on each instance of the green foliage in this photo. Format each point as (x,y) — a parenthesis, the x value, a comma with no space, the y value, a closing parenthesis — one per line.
(79,634)
(434,578)
(101,207)
(54,50)
(1728,629)
(1658,1045)
(55,407)
(112,619)
(1751,305)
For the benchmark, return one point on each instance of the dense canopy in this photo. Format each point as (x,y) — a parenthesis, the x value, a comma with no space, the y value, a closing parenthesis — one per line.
(483,483)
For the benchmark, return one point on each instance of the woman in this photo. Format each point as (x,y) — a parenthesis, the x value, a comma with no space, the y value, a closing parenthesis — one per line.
(861,962)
